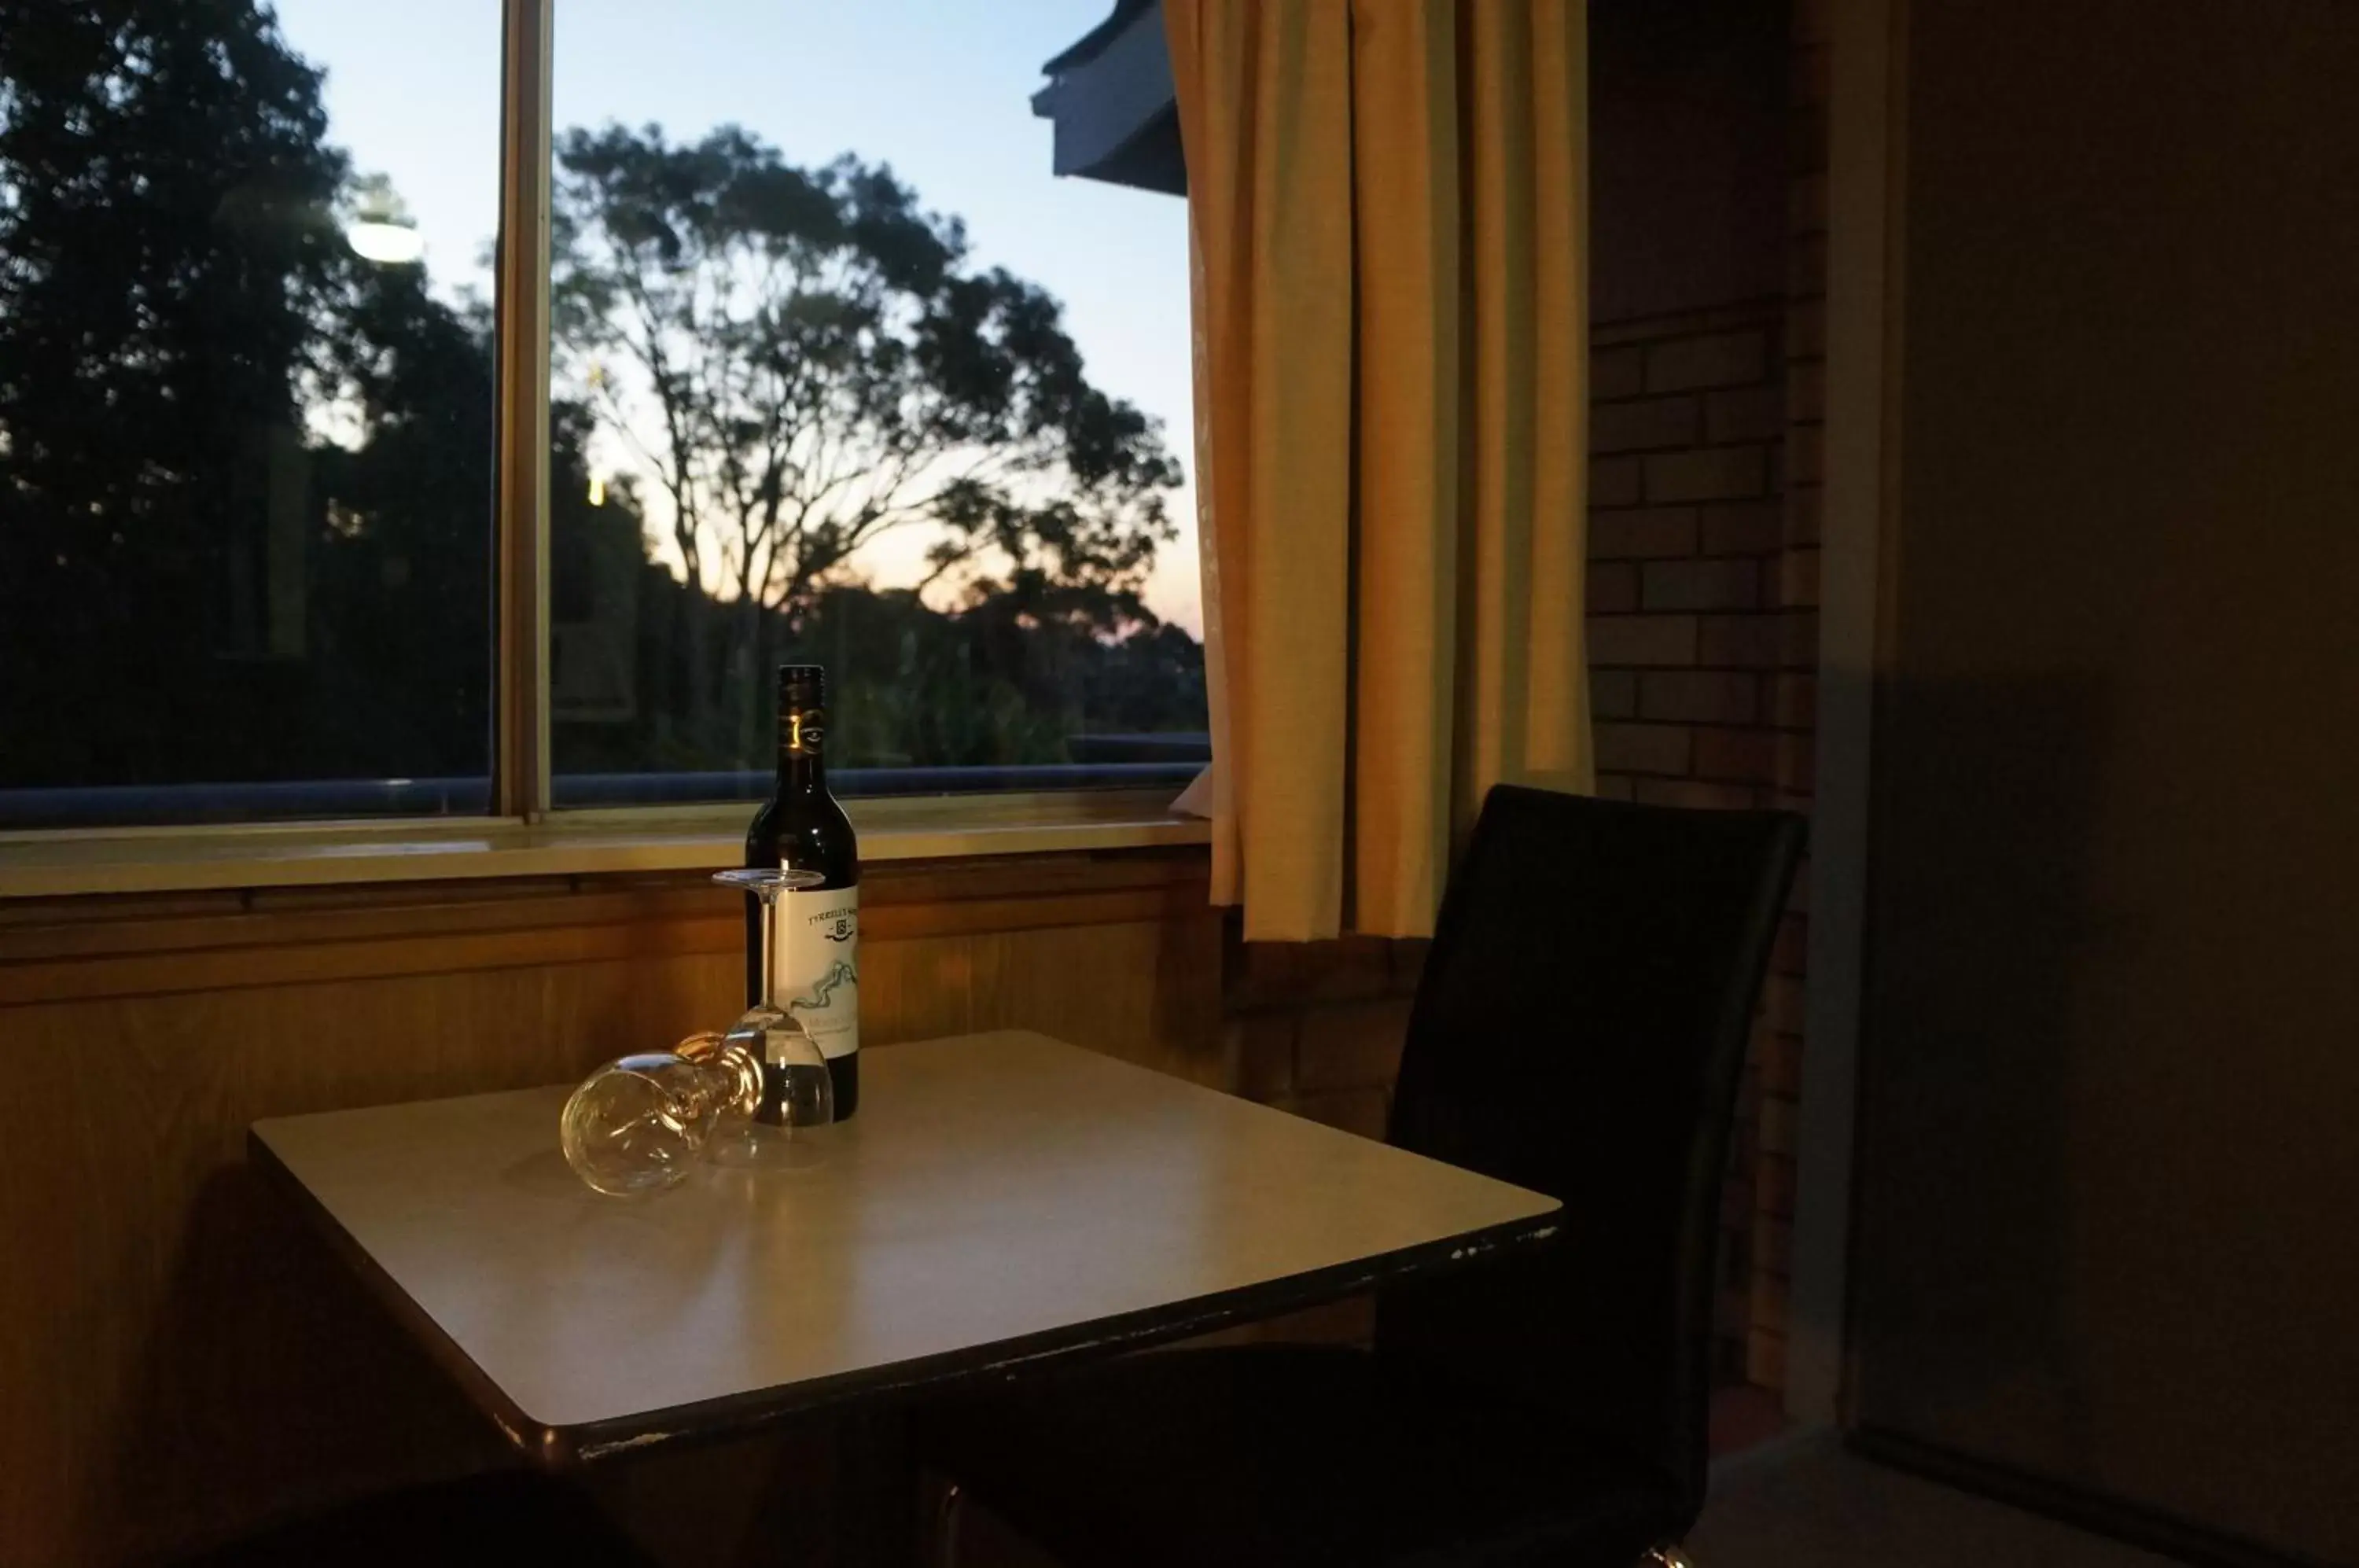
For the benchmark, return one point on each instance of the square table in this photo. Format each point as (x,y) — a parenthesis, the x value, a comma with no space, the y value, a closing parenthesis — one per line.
(1000,1200)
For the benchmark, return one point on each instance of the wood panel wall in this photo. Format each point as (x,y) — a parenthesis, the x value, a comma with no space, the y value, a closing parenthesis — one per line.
(179,1358)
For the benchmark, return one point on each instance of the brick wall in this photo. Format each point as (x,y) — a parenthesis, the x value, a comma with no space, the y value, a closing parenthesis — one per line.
(1317,1027)
(1691,640)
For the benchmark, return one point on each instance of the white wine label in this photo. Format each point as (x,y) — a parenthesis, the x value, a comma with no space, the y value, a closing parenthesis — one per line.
(818,975)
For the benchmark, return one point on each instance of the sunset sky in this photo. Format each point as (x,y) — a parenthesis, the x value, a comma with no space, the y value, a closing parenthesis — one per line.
(939,89)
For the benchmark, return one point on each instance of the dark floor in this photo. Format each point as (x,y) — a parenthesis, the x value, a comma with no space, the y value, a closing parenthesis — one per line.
(1801,1502)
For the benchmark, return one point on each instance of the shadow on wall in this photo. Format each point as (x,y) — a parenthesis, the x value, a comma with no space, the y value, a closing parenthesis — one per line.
(294,1390)
(1982,931)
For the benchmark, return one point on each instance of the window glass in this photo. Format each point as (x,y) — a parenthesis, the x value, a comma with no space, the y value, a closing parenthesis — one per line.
(245,407)
(842,374)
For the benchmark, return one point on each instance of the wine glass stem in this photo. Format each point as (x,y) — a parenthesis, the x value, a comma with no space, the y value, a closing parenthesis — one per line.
(772,936)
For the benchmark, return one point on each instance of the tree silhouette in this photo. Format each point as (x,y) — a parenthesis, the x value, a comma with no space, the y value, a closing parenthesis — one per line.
(804,362)
(164,249)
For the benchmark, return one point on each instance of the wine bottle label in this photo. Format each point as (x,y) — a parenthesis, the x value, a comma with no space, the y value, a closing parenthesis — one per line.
(818,958)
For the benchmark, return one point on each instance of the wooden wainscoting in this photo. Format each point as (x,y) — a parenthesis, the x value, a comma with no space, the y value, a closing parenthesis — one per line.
(179,1359)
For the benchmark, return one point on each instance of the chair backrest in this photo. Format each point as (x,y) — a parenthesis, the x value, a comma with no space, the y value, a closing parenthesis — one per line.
(1580,1029)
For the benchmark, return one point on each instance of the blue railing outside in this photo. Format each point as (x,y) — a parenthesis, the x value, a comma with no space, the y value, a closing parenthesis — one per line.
(1106,762)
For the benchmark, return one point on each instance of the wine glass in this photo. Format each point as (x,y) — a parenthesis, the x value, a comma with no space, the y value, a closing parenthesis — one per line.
(798,1094)
(639,1123)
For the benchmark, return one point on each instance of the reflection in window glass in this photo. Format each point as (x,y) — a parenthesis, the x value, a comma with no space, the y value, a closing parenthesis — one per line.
(245,416)
(843,376)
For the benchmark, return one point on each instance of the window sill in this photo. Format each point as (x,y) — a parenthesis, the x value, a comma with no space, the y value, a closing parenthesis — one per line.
(191,859)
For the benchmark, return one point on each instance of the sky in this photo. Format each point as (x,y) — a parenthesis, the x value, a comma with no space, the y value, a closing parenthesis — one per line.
(939,89)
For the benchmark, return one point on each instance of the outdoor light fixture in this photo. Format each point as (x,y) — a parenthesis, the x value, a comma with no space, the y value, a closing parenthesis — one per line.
(384,242)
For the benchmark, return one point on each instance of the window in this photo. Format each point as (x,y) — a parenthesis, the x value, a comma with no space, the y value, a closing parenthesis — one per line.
(246,426)
(839,373)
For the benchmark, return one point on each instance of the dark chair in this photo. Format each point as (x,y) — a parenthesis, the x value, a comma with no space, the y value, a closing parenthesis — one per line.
(1580,1029)
(520,1517)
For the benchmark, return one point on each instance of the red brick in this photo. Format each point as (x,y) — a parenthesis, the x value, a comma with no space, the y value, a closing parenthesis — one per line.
(1405,964)
(1697,696)
(1806,330)
(1773,1186)
(1642,639)
(1797,762)
(1262,1047)
(1614,787)
(1812,75)
(1696,795)
(1802,639)
(1802,501)
(1647,531)
(1792,946)
(1356,1046)
(1723,359)
(1806,138)
(1651,424)
(1806,392)
(1765,1359)
(1717,585)
(1746,641)
(1642,748)
(1805,455)
(1805,204)
(1617,372)
(1742,756)
(1781,1001)
(1613,694)
(1770,1312)
(1616,481)
(1794,701)
(1707,474)
(1813,21)
(1806,265)
(1773,1247)
(1745,414)
(1797,578)
(1741,527)
(1612,588)
(1289,974)
(1782,1067)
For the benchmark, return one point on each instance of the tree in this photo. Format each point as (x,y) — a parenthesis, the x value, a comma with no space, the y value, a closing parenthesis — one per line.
(164,249)
(803,361)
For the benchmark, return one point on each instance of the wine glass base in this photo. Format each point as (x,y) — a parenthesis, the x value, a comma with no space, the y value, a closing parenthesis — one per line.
(758,1146)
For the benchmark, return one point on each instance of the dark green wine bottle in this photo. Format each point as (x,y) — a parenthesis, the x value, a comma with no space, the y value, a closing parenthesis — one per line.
(803,828)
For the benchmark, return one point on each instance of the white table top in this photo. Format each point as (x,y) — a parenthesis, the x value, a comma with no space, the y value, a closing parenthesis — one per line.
(1000,1198)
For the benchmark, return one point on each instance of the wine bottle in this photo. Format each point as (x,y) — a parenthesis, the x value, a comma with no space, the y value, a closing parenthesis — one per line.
(803,828)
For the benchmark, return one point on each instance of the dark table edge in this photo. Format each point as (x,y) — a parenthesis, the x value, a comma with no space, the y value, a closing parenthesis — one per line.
(559,1448)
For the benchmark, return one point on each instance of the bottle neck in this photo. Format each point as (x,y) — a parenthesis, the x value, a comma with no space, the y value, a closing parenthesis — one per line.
(801,773)
(803,759)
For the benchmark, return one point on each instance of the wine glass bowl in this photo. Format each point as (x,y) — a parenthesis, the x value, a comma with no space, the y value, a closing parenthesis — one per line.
(797,1093)
(638,1124)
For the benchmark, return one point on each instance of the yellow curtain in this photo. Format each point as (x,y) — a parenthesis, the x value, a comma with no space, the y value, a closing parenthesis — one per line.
(1387,214)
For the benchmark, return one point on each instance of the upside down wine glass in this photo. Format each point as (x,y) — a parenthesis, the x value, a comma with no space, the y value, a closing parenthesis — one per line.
(639,1124)
(797,1093)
